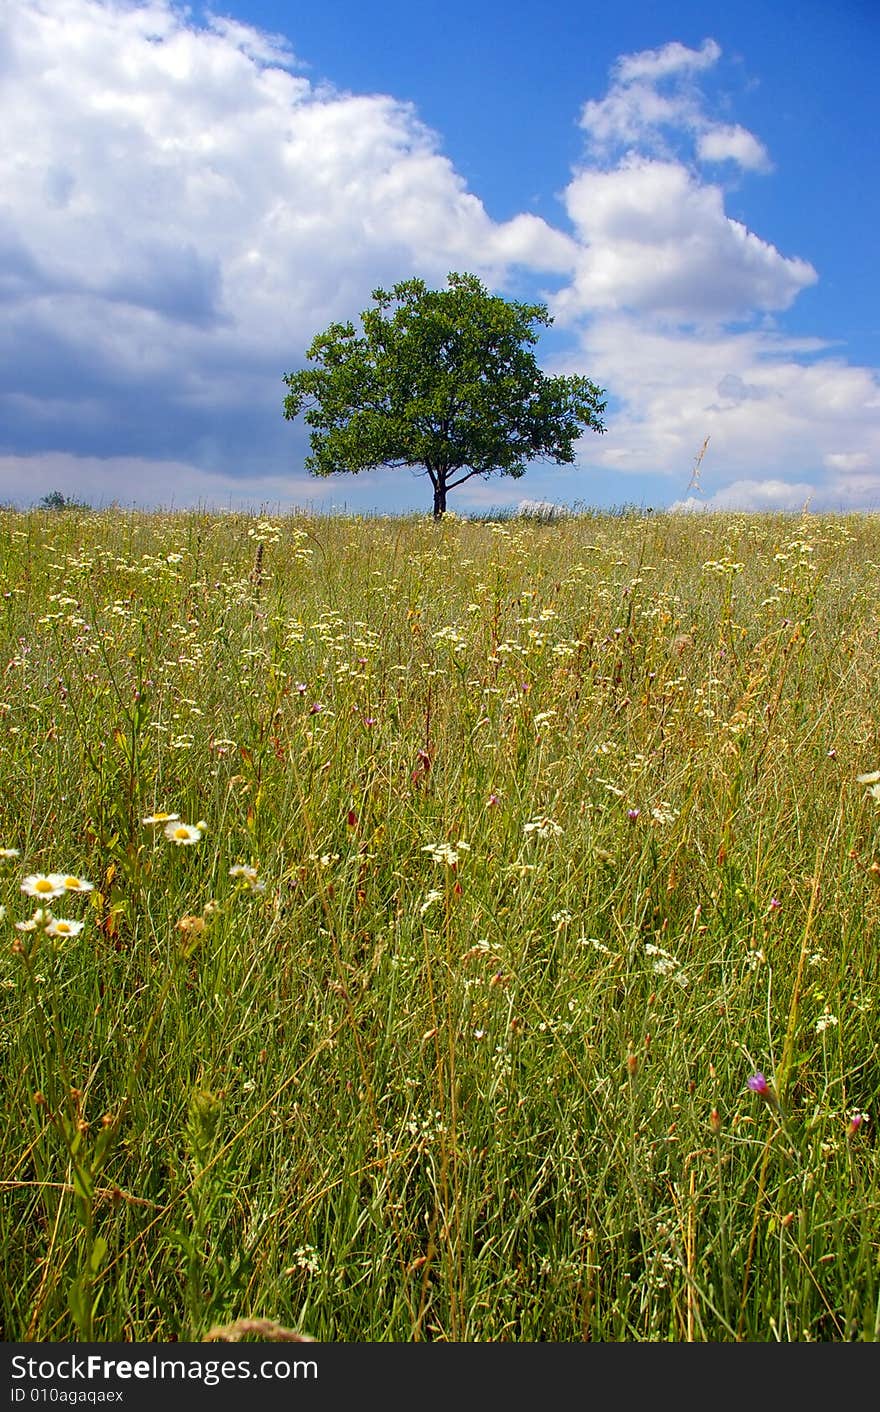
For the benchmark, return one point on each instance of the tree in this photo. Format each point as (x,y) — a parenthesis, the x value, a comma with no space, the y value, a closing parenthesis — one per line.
(56,500)
(443,379)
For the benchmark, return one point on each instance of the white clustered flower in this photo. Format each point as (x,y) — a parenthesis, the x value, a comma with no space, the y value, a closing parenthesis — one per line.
(41,918)
(872,780)
(542,828)
(825,1022)
(445,853)
(665,964)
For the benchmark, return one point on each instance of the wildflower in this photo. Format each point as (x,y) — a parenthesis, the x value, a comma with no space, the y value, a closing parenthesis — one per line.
(825,1022)
(430,898)
(191,925)
(60,926)
(249,877)
(242,870)
(182,833)
(74,884)
(445,853)
(774,904)
(41,918)
(9,853)
(855,1122)
(542,828)
(633,814)
(161,818)
(45,885)
(872,780)
(307,1260)
(762,1086)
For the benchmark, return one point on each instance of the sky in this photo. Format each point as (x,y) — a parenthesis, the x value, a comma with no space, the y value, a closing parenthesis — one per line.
(188,195)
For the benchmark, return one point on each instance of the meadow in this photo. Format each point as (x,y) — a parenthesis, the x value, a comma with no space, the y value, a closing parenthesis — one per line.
(445,932)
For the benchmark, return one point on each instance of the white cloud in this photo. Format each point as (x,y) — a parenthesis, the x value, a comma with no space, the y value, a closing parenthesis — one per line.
(135,480)
(666,296)
(764,400)
(732,143)
(754,495)
(673,58)
(653,104)
(654,235)
(847,460)
(182,212)
(656,239)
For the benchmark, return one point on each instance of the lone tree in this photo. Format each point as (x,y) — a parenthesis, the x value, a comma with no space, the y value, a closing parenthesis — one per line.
(443,379)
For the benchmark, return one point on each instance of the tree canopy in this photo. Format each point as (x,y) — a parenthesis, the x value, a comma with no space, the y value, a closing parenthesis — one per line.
(440,379)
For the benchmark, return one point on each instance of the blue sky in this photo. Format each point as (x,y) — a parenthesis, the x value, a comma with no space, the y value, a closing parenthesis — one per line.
(190,195)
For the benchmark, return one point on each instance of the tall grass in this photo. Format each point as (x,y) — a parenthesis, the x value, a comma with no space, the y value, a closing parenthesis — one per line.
(509,853)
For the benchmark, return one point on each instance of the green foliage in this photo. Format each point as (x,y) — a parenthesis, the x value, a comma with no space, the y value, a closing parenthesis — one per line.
(56,500)
(444,379)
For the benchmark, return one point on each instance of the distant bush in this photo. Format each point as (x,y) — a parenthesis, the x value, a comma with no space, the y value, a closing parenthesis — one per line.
(55,500)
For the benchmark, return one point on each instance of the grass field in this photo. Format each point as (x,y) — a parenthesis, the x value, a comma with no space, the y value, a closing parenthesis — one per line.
(505,855)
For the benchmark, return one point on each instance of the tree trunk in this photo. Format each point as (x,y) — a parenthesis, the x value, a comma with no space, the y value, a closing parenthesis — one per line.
(440,498)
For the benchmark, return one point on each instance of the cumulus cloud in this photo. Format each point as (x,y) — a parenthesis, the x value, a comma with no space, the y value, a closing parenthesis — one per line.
(733,144)
(653,102)
(672,58)
(784,404)
(754,495)
(657,239)
(654,233)
(675,303)
(847,460)
(184,210)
